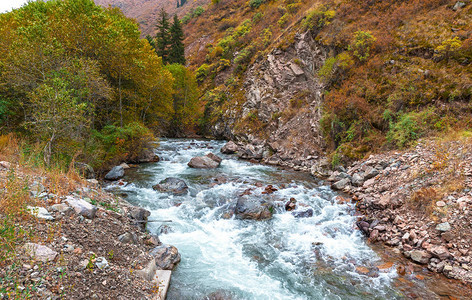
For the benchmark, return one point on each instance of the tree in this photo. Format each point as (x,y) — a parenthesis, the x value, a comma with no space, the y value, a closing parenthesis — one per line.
(151,41)
(163,36)
(177,49)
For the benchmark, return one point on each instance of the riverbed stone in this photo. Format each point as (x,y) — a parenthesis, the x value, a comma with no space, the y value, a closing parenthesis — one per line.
(128,238)
(229,148)
(420,256)
(209,161)
(307,213)
(115,173)
(40,252)
(139,215)
(166,257)
(253,209)
(172,185)
(440,252)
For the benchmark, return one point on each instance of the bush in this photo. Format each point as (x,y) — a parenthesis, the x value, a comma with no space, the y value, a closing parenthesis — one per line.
(284,19)
(202,73)
(318,18)
(255,3)
(360,46)
(410,127)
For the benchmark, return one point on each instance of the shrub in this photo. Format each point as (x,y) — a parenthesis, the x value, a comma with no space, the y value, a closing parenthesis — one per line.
(360,46)
(334,67)
(202,73)
(318,18)
(255,3)
(448,48)
(284,19)
(411,126)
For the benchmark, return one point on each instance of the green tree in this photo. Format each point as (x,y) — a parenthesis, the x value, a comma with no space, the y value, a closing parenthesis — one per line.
(177,49)
(163,37)
(151,41)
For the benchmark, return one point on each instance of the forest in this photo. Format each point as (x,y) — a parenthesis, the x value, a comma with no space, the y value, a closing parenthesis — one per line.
(78,83)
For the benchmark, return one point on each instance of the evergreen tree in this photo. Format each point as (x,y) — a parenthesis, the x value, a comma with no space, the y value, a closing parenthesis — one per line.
(177,50)
(151,41)
(163,36)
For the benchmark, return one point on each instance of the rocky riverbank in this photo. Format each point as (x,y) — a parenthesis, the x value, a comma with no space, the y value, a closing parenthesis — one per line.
(418,201)
(77,241)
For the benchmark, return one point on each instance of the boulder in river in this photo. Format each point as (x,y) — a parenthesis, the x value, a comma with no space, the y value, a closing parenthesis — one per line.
(229,148)
(209,161)
(166,257)
(146,156)
(253,209)
(172,185)
(303,213)
(116,173)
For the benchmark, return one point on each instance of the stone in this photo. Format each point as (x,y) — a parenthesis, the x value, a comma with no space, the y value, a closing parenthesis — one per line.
(370,172)
(125,166)
(440,252)
(440,204)
(172,185)
(205,162)
(420,256)
(116,173)
(458,5)
(5,165)
(146,156)
(139,215)
(149,271)
(364,227)
(128,238)
(303,214)
(40,213)
(253,209)
(358,180)
(166,257)
(443,227)
(341,184)
(36,189)
(291,204)
(229,148)
(40,252)
(84,170)
(62,208)
(101,263)
(82,207)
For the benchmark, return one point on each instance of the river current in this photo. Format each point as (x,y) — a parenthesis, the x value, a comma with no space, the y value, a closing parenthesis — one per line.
(319,257)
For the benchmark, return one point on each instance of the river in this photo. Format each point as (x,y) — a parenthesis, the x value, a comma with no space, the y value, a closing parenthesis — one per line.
(319,257)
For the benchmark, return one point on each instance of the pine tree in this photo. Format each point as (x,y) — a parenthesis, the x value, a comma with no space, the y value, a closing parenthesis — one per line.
(177,50)
(163,36)
(151,41)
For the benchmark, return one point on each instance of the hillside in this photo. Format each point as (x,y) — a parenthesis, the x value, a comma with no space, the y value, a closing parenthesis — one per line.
(145,11)
(303,78)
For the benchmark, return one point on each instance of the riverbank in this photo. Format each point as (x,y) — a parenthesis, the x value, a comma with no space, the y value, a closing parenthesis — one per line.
(74,240)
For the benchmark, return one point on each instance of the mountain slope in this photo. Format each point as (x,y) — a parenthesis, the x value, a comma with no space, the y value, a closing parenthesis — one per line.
(145,12)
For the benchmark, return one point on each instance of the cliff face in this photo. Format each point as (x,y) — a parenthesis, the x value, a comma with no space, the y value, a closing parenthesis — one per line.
(145,12)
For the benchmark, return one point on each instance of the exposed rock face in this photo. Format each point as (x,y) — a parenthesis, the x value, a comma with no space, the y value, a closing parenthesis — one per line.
(172,185)
(116,173)
(166,257)
(209,161)
(253,209)
(284,94)
(229,148)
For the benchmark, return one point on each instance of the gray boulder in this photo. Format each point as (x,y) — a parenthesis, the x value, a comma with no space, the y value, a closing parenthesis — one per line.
(358,179)
(303,214)
(116,173)
(128,238)
(253,209)
(172,185)
(229,148)
(166,257)
(341,184)
(82,207)
(139,216)
(209,161)
(146,156)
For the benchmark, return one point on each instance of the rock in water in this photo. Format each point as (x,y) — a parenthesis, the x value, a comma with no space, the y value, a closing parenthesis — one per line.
(116,173)
(303,214)
(253,209)
(40,252)
(166,257)
(172,185)
(208,161)
(139,215)
(229,148)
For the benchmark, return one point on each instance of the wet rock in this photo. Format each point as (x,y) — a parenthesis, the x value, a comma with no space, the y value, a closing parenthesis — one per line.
(229,148)
(84,170)
(303,214)
(219,295)
(166,257)
(128,238)
(269,189)
(172,185)
(341,184)
(40,213)
(364,227)
(82,207)
(420,256)
(140,216)
(443,227)
(291,204)
(116,173)
(40,252)
(209,161)
(253,209)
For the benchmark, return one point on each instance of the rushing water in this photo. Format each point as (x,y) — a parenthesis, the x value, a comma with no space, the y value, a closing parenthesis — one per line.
(282,258)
